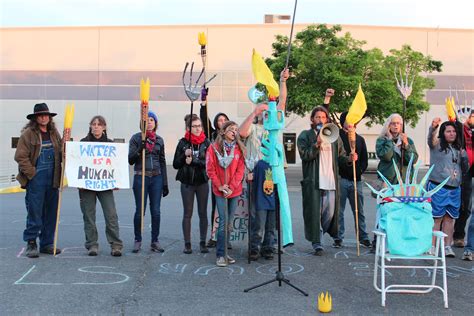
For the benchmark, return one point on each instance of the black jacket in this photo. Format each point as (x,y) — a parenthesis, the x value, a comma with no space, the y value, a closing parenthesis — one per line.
(195,173)
(153,161)
(345,170)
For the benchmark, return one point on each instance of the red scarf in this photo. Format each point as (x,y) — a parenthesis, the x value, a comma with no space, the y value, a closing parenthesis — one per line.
(150,140)
(195,140)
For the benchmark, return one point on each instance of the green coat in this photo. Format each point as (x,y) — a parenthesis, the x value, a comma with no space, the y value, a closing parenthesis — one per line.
(384,149)
(310,184)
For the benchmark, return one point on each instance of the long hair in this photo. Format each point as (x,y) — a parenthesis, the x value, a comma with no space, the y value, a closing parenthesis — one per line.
(319,109)
(443,144)
(34,125)
(219,142)
(386,125)
(102,122)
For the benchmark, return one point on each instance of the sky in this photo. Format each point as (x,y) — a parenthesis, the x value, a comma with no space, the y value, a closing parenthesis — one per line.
(417,13)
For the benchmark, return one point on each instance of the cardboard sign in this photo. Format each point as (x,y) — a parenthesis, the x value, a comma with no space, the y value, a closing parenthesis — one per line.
(97,166)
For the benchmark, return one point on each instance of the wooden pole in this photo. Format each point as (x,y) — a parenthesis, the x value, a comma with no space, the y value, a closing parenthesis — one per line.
(61,184)
(352,141)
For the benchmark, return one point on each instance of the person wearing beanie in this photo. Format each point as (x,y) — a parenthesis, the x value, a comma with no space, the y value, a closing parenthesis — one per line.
(156,181)
(88,200)
(190,161)
(211,131)
(38,155)
(346,185)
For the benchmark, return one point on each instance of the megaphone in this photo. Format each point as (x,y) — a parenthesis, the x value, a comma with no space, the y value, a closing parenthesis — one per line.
(329,133)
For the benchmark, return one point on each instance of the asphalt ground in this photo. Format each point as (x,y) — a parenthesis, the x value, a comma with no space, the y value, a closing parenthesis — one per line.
(173,283)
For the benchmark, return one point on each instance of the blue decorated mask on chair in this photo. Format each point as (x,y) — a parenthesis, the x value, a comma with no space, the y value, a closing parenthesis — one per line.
(409,227)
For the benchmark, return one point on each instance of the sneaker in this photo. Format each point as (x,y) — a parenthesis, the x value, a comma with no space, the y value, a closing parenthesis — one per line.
(221,262)
(448,252)
(156,247)
(49,250)
(203,248)
(267,254)
(32,249)
(137,245)
(467,255)
(458,243)
(337,243)
(318,252)
(365,243)
(211,243)
(93,251)
(187,248)
(116,252)
(253,256)
(230,260)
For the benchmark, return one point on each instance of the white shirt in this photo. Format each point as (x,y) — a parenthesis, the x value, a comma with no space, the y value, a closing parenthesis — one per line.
(326,173)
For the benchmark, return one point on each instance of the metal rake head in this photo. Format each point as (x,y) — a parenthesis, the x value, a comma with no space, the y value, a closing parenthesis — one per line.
(404,85)
(462,112)
(193,91)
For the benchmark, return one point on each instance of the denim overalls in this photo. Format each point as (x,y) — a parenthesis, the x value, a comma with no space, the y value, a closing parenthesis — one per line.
(42,199)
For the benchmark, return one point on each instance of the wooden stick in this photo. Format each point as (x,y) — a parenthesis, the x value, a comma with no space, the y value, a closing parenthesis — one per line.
(61,184)
(352,141)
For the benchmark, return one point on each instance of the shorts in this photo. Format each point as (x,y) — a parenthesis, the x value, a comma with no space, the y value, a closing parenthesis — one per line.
(445,201)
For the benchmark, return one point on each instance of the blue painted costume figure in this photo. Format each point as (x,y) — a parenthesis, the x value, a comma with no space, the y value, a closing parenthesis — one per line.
(38,155)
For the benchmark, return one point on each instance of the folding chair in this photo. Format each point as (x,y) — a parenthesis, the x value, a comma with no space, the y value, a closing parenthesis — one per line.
(405,233)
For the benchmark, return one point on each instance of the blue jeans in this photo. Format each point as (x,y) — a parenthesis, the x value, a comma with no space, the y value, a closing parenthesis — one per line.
(470,235)
(153,189)
(346,191)
(221,208)
(262,223)
(41,201)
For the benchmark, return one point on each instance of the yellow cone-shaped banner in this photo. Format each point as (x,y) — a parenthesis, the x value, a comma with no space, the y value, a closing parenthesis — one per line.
(263,75)
(145,90)
(357,109)
(68,116)
(202,40)
(450,109)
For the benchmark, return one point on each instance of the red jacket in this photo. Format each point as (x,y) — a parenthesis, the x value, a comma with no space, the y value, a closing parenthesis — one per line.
(235,172)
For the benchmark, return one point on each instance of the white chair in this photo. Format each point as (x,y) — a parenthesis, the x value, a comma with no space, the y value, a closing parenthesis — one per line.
(385,261)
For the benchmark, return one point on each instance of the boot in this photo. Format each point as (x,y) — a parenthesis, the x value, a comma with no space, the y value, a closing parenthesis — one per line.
(32,249)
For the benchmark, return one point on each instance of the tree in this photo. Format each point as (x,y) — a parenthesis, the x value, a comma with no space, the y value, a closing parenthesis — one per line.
(320,59)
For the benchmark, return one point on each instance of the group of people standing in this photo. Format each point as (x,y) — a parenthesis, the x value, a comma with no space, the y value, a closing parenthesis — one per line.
(328,179)
(214,153)
(218,153)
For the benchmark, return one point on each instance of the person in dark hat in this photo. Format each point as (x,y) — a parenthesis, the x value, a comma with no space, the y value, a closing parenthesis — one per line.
(38,155)
(156,180)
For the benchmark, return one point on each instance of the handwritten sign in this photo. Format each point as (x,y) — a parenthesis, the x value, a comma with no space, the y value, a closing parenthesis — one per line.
(97,166)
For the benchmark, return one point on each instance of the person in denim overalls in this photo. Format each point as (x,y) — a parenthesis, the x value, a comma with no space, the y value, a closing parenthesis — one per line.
(39,156)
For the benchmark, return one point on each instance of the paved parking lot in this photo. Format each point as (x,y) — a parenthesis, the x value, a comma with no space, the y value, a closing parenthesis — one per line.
(174,283)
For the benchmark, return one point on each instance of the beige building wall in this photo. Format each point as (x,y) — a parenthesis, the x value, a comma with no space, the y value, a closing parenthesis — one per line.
(98,68)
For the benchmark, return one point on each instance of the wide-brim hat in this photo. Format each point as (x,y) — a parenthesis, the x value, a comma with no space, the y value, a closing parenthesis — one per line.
(40,108)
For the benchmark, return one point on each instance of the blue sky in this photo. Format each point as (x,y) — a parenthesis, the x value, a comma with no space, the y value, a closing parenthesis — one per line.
(427,13)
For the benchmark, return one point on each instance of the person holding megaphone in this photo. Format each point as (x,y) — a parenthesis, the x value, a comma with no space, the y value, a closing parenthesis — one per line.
(321,150)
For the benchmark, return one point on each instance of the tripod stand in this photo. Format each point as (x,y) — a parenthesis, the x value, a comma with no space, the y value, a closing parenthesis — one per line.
(280,276)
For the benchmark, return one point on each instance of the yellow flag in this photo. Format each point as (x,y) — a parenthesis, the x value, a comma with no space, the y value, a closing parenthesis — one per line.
(69,115)
(357,109)
(145,90)
(450,109)
(202,39)
(263,75)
